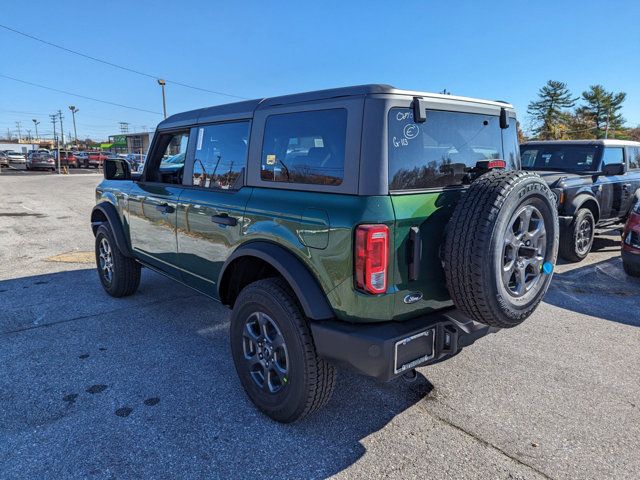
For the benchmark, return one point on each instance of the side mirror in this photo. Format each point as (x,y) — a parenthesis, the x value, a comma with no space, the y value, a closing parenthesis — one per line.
(117,169)
(613,169)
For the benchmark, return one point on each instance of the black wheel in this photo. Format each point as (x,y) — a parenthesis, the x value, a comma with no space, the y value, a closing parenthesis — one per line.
(119,275)
(630,269)
(576,239)
(274,354)
(501,246)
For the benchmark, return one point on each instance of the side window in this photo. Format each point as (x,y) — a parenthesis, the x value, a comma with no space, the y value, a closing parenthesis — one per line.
(612,155)
(221,155)
(634,158)
(305,147)
(167,164)
(529,158)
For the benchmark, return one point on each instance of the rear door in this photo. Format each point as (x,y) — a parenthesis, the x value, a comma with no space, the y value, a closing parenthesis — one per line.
(211,208)
(615,194)
(153,203)
(429,167)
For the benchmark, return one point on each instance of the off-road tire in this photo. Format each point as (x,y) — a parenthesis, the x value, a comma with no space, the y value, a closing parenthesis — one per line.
(570,237)
(310,379)
(125,278)
(473,252)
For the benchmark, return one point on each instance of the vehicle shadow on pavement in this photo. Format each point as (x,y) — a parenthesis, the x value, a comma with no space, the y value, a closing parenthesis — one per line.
(606,244)
(145,387)
(600,290)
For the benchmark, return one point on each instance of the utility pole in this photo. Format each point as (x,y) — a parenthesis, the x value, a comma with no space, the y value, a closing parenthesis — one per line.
(36,123)
(61,127)
(124,128)
(28,135)
(19,132)
(162,83)
(54,118)
(74,110)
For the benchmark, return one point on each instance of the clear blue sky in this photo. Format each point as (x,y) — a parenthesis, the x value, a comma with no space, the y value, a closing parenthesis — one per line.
(488,49)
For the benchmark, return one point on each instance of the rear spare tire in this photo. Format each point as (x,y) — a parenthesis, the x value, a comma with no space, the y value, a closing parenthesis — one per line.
(501,246)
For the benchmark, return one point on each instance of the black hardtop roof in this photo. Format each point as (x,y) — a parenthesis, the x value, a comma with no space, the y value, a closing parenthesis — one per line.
(246,108)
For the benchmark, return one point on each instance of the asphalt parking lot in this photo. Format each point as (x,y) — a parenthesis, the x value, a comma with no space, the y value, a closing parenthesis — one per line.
(94,387)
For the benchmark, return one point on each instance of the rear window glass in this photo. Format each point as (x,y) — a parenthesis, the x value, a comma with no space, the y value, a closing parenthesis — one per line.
(305,147)
(440,152)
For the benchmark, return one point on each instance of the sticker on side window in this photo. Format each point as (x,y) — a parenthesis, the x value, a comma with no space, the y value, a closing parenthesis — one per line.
(200,136)
(318,142)
(271,159)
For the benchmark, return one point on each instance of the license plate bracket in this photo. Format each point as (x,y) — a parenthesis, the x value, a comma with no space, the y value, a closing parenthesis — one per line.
(414,350)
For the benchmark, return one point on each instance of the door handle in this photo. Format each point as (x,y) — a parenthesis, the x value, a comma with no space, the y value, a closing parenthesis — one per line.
(224,219)
(165,208)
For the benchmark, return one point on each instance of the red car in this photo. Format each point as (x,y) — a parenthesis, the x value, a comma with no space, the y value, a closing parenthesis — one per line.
(68,159)
(631,243)
(96,159)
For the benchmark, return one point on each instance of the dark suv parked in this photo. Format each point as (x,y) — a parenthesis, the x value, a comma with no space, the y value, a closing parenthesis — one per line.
(596,183)
(364,227)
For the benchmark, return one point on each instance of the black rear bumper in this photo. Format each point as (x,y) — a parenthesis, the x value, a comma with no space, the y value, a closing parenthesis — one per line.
(389,349)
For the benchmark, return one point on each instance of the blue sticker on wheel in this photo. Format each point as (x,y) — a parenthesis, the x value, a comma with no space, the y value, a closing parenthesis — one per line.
(547,268)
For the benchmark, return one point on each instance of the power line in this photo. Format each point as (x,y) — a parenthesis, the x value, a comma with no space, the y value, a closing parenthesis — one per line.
(78,95)
(111,64)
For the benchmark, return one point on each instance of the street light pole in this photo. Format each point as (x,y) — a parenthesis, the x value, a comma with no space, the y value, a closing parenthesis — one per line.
(74,110)
(36,123)
(61,127)
(162,83)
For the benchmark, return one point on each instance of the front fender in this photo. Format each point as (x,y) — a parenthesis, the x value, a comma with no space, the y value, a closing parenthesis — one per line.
(105,212)
(580,200)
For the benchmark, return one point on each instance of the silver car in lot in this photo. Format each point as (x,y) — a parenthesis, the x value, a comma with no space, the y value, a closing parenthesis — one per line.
(41,161)
(15,158)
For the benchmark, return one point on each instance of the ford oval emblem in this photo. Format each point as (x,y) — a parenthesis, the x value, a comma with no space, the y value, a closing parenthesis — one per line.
(413,297)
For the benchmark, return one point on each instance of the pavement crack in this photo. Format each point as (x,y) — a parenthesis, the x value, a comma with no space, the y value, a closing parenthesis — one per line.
(84,317)
(483,441)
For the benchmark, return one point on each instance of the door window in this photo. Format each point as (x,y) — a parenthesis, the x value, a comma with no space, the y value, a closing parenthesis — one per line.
(167,163)
(634,158)
(612,155)
(305,147)
(221,155)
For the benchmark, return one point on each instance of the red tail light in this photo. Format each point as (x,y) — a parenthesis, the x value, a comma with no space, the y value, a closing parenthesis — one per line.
(371,258)
(496,164)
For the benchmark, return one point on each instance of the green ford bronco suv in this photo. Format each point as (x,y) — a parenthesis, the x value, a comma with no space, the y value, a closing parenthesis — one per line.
(365,227)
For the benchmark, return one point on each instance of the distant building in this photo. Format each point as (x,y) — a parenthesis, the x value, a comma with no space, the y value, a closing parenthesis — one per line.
(129,143)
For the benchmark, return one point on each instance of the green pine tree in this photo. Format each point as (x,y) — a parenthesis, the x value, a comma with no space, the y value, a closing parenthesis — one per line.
(603,109)
(549,111)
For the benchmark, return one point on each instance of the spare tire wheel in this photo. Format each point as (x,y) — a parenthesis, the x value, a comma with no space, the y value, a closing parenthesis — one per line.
(501,246)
